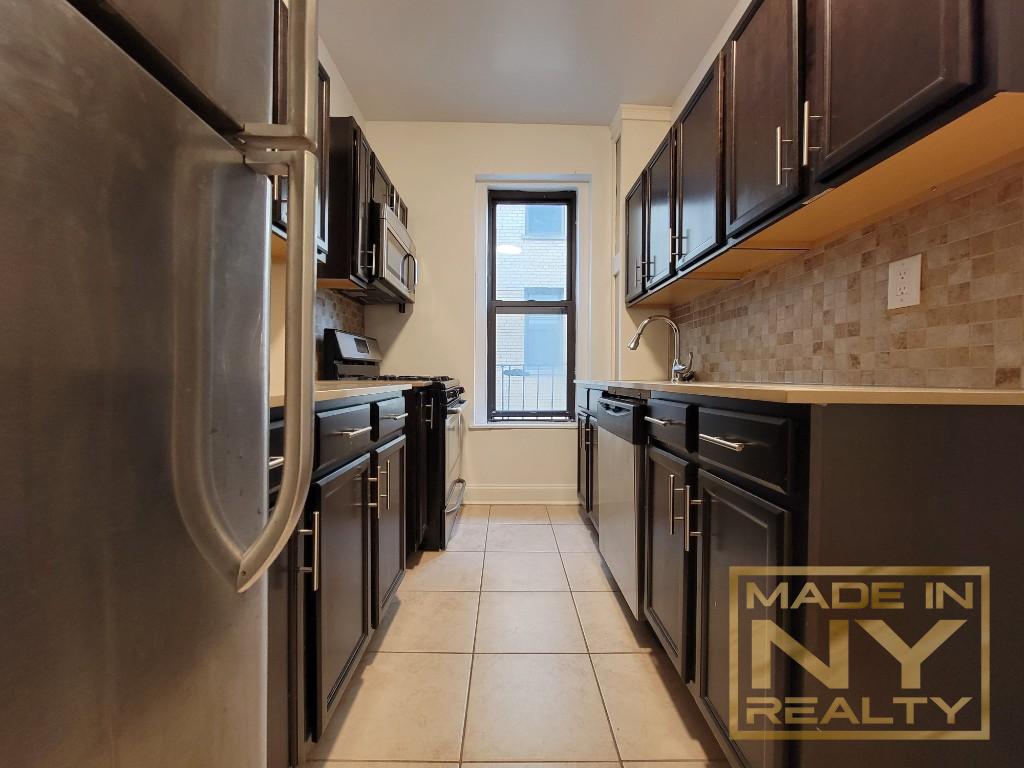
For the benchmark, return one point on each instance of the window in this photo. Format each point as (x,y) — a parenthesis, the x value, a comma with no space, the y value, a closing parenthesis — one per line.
(531,308)
(545,222)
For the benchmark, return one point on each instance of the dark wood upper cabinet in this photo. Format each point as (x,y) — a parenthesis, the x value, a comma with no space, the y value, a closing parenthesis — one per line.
(339,590)
(879,66)
(667,562)
(279,195)
(736,529)
(323,142)
(660,263)
(635,260)
(699,222)
(389,524)
(762,149)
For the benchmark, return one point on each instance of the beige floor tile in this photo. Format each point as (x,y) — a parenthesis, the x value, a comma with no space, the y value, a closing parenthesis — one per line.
(610,627)
(575,538)
(653,716)
(547,765)
(524,572)
(425,622)
(678,764)
(541,707)
(424,692)
(444,572)
(587,572)
(475,513)
(468,536)
(519,514)
(528,622)
(379,764)
(567,514)
(520,538)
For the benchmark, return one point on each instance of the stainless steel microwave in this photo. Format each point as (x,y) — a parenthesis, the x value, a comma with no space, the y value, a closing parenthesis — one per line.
(396,269)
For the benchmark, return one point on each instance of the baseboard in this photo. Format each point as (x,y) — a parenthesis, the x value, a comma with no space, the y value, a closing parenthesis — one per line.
(520,494)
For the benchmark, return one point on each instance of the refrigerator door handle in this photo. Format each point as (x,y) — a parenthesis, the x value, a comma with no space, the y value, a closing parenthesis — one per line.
(299,132)
(299,362)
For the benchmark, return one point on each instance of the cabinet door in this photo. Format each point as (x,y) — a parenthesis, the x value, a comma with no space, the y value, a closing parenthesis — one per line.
(735,528)
(635,239)
(761,136)
(699,227)
(881,66)
(279,103)
(323,104)
(339,587)
(365,251)
(389,524)
(667,565)
(660,262)
(582,468)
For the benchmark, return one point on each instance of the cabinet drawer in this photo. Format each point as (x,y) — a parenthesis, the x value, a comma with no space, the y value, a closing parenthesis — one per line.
(389,417)
(342,434)
(667,423)
(757,447)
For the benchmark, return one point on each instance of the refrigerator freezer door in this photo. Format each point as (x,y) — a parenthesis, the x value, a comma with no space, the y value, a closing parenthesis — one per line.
(224,48)
(132,318)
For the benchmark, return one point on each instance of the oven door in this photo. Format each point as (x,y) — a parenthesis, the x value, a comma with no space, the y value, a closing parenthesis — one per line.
(455,486)
(397,270)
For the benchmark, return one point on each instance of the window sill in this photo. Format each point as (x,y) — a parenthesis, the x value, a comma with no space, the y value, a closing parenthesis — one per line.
(524,425)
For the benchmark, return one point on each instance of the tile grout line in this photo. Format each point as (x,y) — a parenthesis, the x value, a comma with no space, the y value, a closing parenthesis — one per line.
(590,658)
(476,629)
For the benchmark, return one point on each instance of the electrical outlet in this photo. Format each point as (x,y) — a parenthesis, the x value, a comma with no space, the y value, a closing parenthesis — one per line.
(905,282)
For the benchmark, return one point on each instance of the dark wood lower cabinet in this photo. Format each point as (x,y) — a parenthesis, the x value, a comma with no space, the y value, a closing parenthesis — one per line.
(668,572)
(586,463)
(735,528)
(388,523)
(339,586)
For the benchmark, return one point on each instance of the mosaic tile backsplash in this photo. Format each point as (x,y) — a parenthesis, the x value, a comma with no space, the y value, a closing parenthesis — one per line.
(335,310)
(821,317)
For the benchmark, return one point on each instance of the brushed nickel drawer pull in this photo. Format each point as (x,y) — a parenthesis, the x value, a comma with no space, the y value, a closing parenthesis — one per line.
(274,462)
(722,443)
(351,432)
(663,422)
(397,417)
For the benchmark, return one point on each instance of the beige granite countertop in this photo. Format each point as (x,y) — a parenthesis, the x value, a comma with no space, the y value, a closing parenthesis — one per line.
(825,394)
(335,390)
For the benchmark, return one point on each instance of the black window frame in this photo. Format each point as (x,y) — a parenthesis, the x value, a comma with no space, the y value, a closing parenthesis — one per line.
(566,306)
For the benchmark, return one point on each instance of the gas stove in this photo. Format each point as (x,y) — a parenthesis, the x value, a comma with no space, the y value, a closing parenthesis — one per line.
(393,377)
(349,356)
(435,427)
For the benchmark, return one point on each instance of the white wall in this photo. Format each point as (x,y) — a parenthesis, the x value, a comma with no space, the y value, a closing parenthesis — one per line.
(435,167)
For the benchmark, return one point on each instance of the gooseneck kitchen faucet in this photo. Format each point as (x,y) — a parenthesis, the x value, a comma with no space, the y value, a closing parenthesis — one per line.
(680,372)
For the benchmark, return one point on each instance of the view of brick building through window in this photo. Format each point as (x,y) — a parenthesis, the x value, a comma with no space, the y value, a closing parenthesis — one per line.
(531,253)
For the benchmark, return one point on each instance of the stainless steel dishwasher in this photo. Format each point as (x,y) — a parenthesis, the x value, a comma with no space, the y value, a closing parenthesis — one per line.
(619,496)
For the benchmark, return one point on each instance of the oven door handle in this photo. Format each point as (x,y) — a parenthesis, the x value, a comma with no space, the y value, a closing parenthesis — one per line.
(459,407)
(461,485)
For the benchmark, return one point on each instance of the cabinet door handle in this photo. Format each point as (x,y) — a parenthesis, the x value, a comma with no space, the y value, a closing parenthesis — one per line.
(689,502)
(722,442)
(662,422)
(807,133)
(672,490)
(315,533)
(779,141)
(274,462)
(396,417)
(350,433)
(389,484)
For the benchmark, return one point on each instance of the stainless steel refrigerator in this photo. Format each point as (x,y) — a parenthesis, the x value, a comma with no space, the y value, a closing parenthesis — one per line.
(134,224)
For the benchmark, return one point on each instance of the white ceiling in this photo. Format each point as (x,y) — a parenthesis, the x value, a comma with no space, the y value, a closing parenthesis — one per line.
(516,61)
